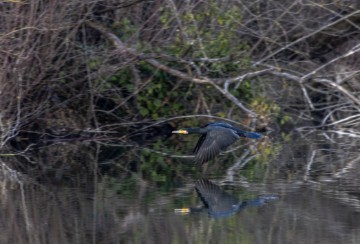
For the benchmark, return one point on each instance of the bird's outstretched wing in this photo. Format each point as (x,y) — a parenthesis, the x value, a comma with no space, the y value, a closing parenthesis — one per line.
(199,143)
(213,143)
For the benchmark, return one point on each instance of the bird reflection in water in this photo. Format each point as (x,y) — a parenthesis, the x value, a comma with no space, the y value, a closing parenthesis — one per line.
(218,203)
(215,137)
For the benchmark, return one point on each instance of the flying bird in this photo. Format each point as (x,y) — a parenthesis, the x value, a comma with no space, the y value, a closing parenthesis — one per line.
(215,137)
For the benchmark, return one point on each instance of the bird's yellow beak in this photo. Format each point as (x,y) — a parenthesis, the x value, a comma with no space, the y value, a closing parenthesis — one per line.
(180,132)
(182,210)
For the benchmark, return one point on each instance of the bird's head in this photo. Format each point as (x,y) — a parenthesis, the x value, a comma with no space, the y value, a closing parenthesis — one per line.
(181,131)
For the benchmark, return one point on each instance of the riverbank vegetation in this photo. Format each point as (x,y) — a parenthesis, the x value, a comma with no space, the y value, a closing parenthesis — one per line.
(128,72)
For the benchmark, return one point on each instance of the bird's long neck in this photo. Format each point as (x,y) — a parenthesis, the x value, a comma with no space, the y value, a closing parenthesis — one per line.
(196,130)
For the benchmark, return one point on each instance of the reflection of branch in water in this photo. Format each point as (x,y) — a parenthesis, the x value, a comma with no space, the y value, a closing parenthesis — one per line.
(218,203)
(347,167)
(309,164)
(8,175)
(342,196)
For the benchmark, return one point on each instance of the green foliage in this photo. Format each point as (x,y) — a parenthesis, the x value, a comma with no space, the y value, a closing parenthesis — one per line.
(152,100)
(210,32)
(155,99)
(286,137)
(245,91)
(265,107)
(125,28)
(284,119)
(93,63)
(123,79)
(206,32)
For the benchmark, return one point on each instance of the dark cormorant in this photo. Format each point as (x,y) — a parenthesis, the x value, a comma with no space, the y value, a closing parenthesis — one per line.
(215,137)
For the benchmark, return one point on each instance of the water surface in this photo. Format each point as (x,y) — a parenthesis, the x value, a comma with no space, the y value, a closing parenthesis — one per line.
(311,187)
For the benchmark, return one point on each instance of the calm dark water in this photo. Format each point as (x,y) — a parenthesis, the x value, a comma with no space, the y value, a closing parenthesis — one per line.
(307,191)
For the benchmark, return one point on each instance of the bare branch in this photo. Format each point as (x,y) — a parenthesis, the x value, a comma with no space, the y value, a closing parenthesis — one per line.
(349,53)
(339,88)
